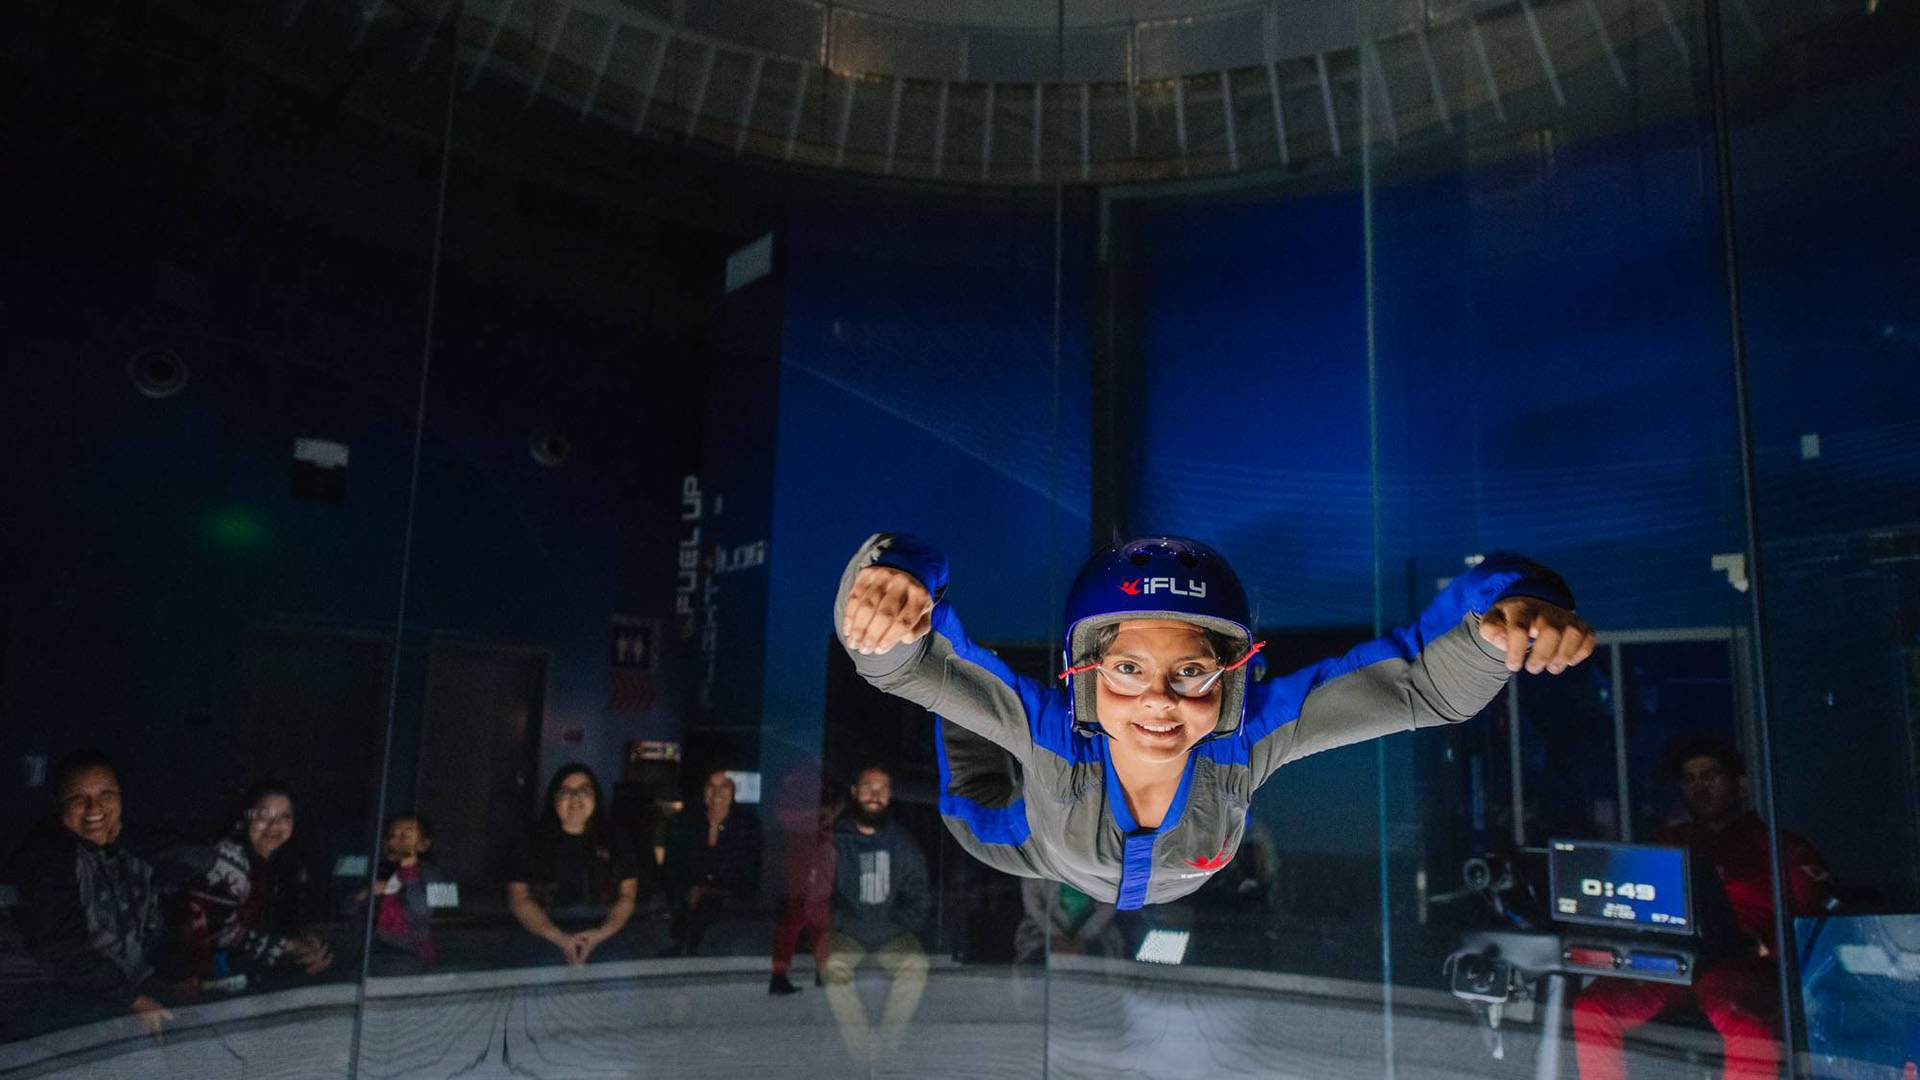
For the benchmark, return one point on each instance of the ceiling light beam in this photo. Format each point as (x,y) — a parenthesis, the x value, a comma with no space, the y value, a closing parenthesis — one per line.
(893,124)
(700,88)
(653,81)
(799,109)
(540,77)
(986,136)
(1486,68)
(1037,106)
(369,14)
(846,120)
(1386,94)
(1540,49)
(1678,35)
(1226,113)
(1433,80)
(744,120)
(1606,43)
(1326,101)
(1279,115)
(600,69)
(940,130)
(493,39)
(1086,132)
(426,42)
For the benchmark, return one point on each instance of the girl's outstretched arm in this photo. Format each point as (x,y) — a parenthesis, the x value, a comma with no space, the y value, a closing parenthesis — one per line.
(892,616)
(1442,669)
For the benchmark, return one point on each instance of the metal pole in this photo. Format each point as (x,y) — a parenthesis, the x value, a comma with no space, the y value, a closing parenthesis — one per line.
(1389,1064)
(1785,953)
(1513,764)
(406,567)
(1546,1063)
(1620,744)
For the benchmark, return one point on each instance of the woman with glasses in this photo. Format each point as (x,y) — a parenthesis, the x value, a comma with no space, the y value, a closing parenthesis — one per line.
(1132,782)
(243,920)
(574,884)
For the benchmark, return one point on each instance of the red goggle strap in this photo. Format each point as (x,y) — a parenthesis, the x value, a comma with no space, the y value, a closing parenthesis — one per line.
(1257,646)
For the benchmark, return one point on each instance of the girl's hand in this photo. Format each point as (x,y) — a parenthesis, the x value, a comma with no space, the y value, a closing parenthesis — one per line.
(1537,635)
(887,607)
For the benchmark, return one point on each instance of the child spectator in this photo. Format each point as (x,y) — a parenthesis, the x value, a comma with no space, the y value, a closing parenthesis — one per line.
(403,918)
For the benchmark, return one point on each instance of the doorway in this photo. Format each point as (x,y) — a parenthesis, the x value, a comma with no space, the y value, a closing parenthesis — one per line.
(478,752)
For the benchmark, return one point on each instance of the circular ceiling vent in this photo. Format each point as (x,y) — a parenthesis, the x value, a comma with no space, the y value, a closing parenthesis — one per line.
(157,373)
(549,448)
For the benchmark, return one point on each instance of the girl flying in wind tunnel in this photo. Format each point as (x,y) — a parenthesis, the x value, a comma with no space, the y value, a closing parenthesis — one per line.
(1132,779)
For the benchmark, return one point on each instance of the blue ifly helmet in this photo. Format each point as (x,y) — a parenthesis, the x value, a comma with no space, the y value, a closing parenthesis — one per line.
(1156,577)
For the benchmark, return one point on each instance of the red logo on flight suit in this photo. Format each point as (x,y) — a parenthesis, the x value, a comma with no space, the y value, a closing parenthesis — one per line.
(1201,862)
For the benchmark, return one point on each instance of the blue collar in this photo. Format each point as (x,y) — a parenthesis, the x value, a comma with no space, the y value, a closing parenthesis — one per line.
(1117,798)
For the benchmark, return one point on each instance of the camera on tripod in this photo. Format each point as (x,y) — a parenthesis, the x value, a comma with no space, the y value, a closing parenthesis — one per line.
(1475,976)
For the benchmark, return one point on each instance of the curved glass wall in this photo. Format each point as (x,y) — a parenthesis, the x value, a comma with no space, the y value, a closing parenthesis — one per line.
(440,429)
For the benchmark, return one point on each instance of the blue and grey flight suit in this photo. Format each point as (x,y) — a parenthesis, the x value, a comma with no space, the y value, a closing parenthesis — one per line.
(1027,793)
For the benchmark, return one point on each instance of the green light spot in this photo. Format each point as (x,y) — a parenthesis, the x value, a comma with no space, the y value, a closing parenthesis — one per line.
(236,529)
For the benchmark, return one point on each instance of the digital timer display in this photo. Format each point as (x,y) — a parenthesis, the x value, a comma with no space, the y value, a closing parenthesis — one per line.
(1626,889)
(1637,886)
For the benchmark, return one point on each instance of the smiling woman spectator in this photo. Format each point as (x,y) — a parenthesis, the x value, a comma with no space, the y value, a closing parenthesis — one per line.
(574,884)
(243,917)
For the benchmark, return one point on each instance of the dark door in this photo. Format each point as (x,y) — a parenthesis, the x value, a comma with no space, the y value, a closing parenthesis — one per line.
(311,708)
(479,744)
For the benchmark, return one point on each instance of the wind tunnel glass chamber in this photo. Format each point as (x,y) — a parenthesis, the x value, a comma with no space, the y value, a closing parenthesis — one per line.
(417,402)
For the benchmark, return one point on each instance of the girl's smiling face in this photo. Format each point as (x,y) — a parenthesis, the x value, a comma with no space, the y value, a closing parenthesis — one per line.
(1157,726)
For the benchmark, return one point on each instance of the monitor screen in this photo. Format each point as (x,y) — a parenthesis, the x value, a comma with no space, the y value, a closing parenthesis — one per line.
(1632,886)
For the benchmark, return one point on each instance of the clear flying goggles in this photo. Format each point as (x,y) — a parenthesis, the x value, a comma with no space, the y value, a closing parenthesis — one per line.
(1129,677)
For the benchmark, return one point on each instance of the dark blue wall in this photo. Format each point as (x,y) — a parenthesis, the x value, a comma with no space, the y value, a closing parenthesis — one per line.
(919,393)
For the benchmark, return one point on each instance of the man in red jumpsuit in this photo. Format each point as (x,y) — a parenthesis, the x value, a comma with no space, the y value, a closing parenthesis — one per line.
(808,830)
(1736,985)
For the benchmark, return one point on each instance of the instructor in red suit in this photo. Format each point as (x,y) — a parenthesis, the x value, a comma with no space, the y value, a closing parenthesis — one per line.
(1736,983)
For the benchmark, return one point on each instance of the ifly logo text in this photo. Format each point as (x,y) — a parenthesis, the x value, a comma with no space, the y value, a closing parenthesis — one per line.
(1149,586)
